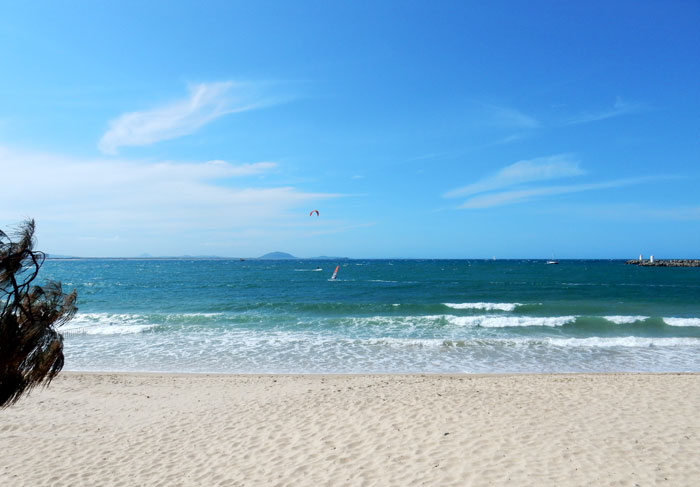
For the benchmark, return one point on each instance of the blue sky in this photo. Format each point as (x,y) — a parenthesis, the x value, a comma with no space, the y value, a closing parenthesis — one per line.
(417,129)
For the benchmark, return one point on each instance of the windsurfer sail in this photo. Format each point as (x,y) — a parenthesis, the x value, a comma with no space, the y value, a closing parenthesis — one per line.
(335,273)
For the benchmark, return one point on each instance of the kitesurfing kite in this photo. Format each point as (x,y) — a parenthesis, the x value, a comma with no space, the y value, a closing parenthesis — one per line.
(313,211)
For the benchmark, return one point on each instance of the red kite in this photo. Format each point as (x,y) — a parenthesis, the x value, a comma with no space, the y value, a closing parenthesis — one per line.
(313,211)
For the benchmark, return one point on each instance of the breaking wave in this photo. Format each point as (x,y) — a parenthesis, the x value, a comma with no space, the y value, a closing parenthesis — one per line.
(625,320)
(484,306)
(682,321)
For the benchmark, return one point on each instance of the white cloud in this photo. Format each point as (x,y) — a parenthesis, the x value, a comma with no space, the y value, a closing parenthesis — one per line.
(521,172)
(510,117)
(631,212)
(206,102)
(161,207)
(509,139)
(674,213)
(619,108)
(519,196)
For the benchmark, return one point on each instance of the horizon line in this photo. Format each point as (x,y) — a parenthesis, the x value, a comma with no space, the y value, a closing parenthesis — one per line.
(216,257)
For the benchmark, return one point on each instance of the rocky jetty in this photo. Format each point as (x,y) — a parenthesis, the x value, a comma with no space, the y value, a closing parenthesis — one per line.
(666,262)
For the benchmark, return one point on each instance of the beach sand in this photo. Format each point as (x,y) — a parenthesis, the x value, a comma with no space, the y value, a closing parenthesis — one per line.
(375,430)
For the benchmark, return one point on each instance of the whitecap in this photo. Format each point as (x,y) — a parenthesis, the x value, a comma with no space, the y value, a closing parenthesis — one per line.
(509,321)
(484,306)
(106,324)
(108,330)
(485,321)
(625,320)
(682,321)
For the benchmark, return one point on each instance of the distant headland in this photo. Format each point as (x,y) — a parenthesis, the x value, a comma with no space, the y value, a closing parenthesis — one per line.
(286,256)
(268,256)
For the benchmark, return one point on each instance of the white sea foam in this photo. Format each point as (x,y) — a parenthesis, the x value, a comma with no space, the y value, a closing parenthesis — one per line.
(509,321)
(590,342)
(485,321)
(410,342)
(205,315)
(624,320)
(108,330)
(106,324)
(484,306)
(682,321)
(86,319)
(402,342)
(629,341)
(244,350)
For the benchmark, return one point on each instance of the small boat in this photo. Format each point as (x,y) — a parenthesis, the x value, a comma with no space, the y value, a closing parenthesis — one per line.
(335,273)
(552,262)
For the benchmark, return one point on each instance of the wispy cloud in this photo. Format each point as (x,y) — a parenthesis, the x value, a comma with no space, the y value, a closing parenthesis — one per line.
(680,213)
(432,155)
(526,171)
(519,196)
(630,212)
(509,139)
(162,206)
(205,103)
(509,117)
(619,108)
(513,183)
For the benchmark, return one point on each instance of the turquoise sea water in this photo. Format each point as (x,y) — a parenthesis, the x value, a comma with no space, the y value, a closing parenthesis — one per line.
(379,316)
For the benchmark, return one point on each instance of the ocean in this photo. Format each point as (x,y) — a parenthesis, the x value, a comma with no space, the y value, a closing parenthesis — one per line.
(379,316)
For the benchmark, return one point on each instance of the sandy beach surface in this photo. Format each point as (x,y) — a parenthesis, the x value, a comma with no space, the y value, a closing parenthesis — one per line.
(366,430)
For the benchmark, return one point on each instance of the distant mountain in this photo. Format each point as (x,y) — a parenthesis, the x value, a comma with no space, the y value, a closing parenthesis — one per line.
(277,256)
(143,257)
(270,256)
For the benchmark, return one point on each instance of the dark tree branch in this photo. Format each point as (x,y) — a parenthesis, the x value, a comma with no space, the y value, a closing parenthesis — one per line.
(31,349)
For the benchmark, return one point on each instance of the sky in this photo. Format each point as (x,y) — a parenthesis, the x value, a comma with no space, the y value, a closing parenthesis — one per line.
(422,129)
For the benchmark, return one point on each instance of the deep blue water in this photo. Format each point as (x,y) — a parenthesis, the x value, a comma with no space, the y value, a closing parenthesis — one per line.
(379,316)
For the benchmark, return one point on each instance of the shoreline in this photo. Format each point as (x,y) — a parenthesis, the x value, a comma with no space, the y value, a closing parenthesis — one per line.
(141,428)
(365,374)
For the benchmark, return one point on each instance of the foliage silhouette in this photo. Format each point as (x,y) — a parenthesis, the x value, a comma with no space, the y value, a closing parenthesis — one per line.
(31,349)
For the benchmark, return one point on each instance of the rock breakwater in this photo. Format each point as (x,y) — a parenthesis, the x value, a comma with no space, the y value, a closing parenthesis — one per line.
(666,263)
